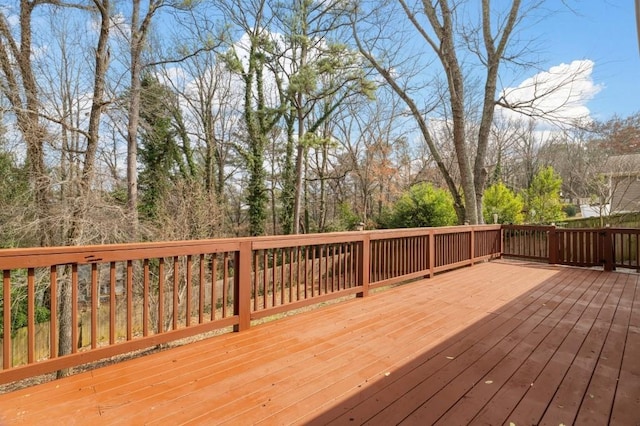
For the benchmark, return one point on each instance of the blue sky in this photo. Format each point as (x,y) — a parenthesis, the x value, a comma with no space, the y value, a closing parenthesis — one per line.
(602,31)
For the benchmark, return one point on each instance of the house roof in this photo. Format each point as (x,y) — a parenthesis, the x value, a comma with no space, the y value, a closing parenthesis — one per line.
(622,165)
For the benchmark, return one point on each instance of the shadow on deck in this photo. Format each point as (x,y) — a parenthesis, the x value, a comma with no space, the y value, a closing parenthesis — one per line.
(501,342)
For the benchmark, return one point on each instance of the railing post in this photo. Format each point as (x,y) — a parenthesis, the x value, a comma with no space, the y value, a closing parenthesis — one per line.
(501,243)
(637,252)
(472,243)
(364,265)
(552,246)
(242,286)
(6,343)
(432,253)
(608,248)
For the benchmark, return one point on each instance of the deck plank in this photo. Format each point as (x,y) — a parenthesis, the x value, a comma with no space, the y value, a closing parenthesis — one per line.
(519,383)
(598,400)
(566,402)
(439,366)
(626,407)
(474,367)
(462,347)
(501,384)
(394,321)
(534,403)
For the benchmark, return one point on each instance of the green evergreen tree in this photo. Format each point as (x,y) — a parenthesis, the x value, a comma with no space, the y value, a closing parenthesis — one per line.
(500,200)
(164,150)
(325,74)
(543,197)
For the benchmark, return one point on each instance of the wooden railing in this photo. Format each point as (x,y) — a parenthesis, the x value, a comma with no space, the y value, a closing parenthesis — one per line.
(625,245)
(609,248)
(529,242)
(67,306)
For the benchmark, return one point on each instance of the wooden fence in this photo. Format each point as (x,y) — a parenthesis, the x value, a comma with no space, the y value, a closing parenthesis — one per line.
(112,299)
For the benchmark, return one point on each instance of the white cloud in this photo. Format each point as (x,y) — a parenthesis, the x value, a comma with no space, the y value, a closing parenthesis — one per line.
(120,24)
(119,27)
(559,95)
(172,76)
(13,21)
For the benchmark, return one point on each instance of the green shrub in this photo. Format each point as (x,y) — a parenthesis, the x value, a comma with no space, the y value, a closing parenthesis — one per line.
(543,197)
(422,206)
(570,210)
(500,200)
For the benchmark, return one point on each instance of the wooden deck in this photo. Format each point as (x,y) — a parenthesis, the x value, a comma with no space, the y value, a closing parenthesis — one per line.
(500,342)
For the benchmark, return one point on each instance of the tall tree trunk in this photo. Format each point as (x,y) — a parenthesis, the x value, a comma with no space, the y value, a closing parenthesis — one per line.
(288,178)
(494,56)
(76,231)
(301,150)
(257,127)
(139,32)
(447,54)
(18,82)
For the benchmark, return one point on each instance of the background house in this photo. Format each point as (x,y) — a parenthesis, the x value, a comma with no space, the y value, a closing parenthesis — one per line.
(623,173)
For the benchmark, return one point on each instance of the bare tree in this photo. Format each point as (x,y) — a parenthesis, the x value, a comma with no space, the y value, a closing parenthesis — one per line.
(140,25)
(373,148)
(445,31)
(20,87)
(79,142)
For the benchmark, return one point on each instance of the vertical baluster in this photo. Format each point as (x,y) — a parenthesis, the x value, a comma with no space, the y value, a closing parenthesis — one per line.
(31,314)
(327,248)
(189,284)
(160,324)
(274,258)
(313,271)
(201,281)
(298,267)
(290,251)
(74,309)
(637,235)
(306,272)
(333,267)
(129,300)
(282,275)
(225,279)
(176,284)
(145,297)
(628,255)
(112,303)
(265,276)
(256,280)
(53,309)
(339,267)
(6,315)
(94,305)
(324,254)
(355,266)
(214,285)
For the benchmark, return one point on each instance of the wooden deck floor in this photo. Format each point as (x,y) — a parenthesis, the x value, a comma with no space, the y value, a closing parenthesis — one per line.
(501,342)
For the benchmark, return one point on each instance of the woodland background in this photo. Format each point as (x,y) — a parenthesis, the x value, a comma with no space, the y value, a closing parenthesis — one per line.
(163,119)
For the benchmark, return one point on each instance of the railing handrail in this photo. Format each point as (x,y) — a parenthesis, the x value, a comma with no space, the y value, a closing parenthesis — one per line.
(33,257)
(174,287)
